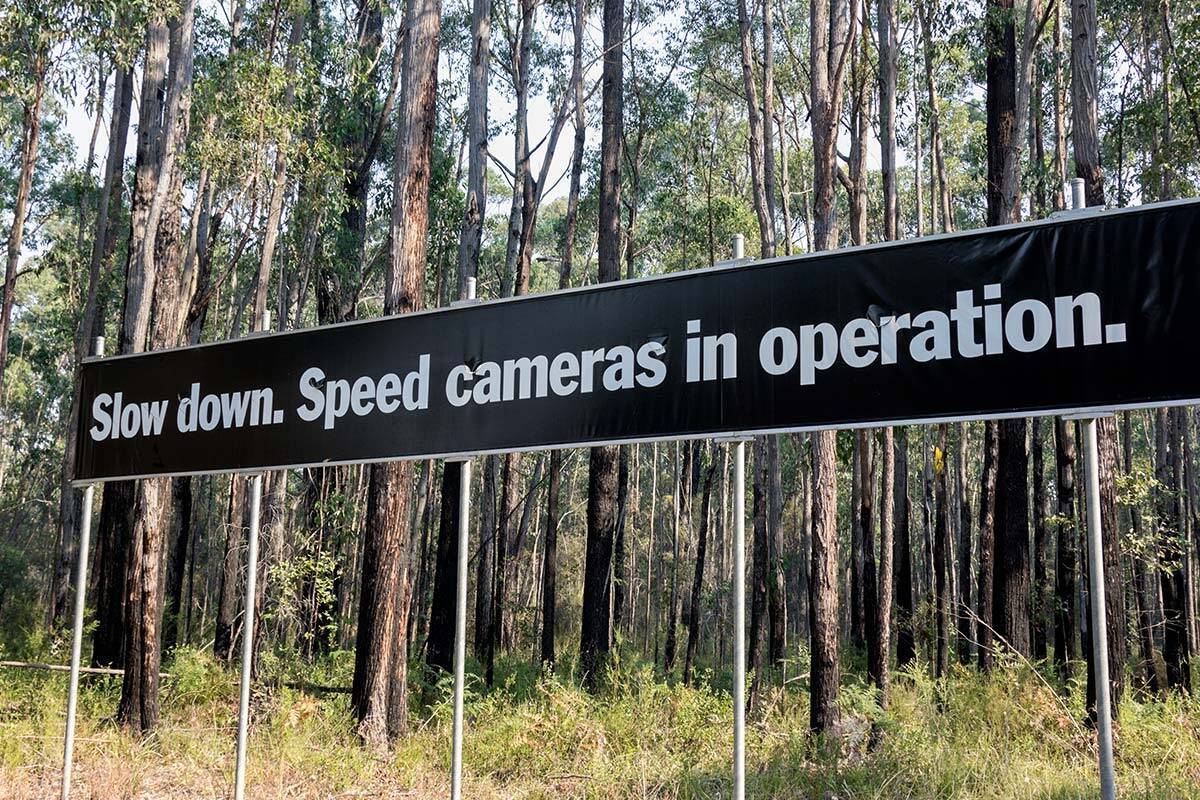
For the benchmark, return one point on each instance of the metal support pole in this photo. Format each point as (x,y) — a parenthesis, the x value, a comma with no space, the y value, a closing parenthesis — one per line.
(1099,621)
(256,483)
(239,783)
(460,605)
(81,571)
(739,595)
(1078,194)
(739,621)
(460,627)
(1108,788)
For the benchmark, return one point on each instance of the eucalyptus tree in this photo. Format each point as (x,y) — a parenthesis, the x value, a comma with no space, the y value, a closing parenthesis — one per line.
(380,692)
(596,629)
(1085,138)
(33,39)
(832,26)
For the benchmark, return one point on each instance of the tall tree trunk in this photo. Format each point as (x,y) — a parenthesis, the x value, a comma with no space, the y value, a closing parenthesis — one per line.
(521,72)
(181,493)
(338,277)
(439,648)
(1066,647)
(550,553)
(117,515)
(767,596)
(1060,114)
(857,608)
(870,587)
(477,122)
(31,127)
(1000,42)
(1086,138)
(505,541)
(1174,553)
(831,33)
(1114,581)
(1010,591)
(760,564)
(918,156)
(485,564)
(279,177)
(777,606)
(963,609)
(596,631)
(1011,588)
(888,47)
(825,667)
(441,637)
(906,645)
(941,553)
(698,578)
(620,552)
(987,539)
(937,165)
(681,533)
(103,244)
(1085,131)
(230,574)
(550,558)
(157,257)
(380,691)
(879,665)
(1043,586)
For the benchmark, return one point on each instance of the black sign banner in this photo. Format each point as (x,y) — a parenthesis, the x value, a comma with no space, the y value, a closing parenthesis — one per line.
(1082,312)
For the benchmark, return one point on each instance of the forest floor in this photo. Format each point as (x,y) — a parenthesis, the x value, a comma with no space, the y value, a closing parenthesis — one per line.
(1007,735)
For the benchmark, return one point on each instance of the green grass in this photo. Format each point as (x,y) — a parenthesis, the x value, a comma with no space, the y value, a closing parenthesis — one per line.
(1006,735)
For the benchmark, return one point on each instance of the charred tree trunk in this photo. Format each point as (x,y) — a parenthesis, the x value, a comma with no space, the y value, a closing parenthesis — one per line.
(760,559)
(1174,554)
(941,555)
(620,554)
(870,587)
(906,643)
(485,564)
(235,533)
(550,558)
(987,539)
(1114,582)
(1066,626)
(963,608)
(682,532)
(181,491)
(857,607)
(596,632)
(1042,585)
(1011,589)
(694,618)
(439,649)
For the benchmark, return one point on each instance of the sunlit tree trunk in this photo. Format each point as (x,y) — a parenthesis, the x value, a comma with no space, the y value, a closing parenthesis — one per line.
(380,690)
(155,260)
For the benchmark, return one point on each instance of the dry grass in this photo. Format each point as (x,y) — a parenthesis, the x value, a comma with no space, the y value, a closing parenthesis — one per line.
(1006,736)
